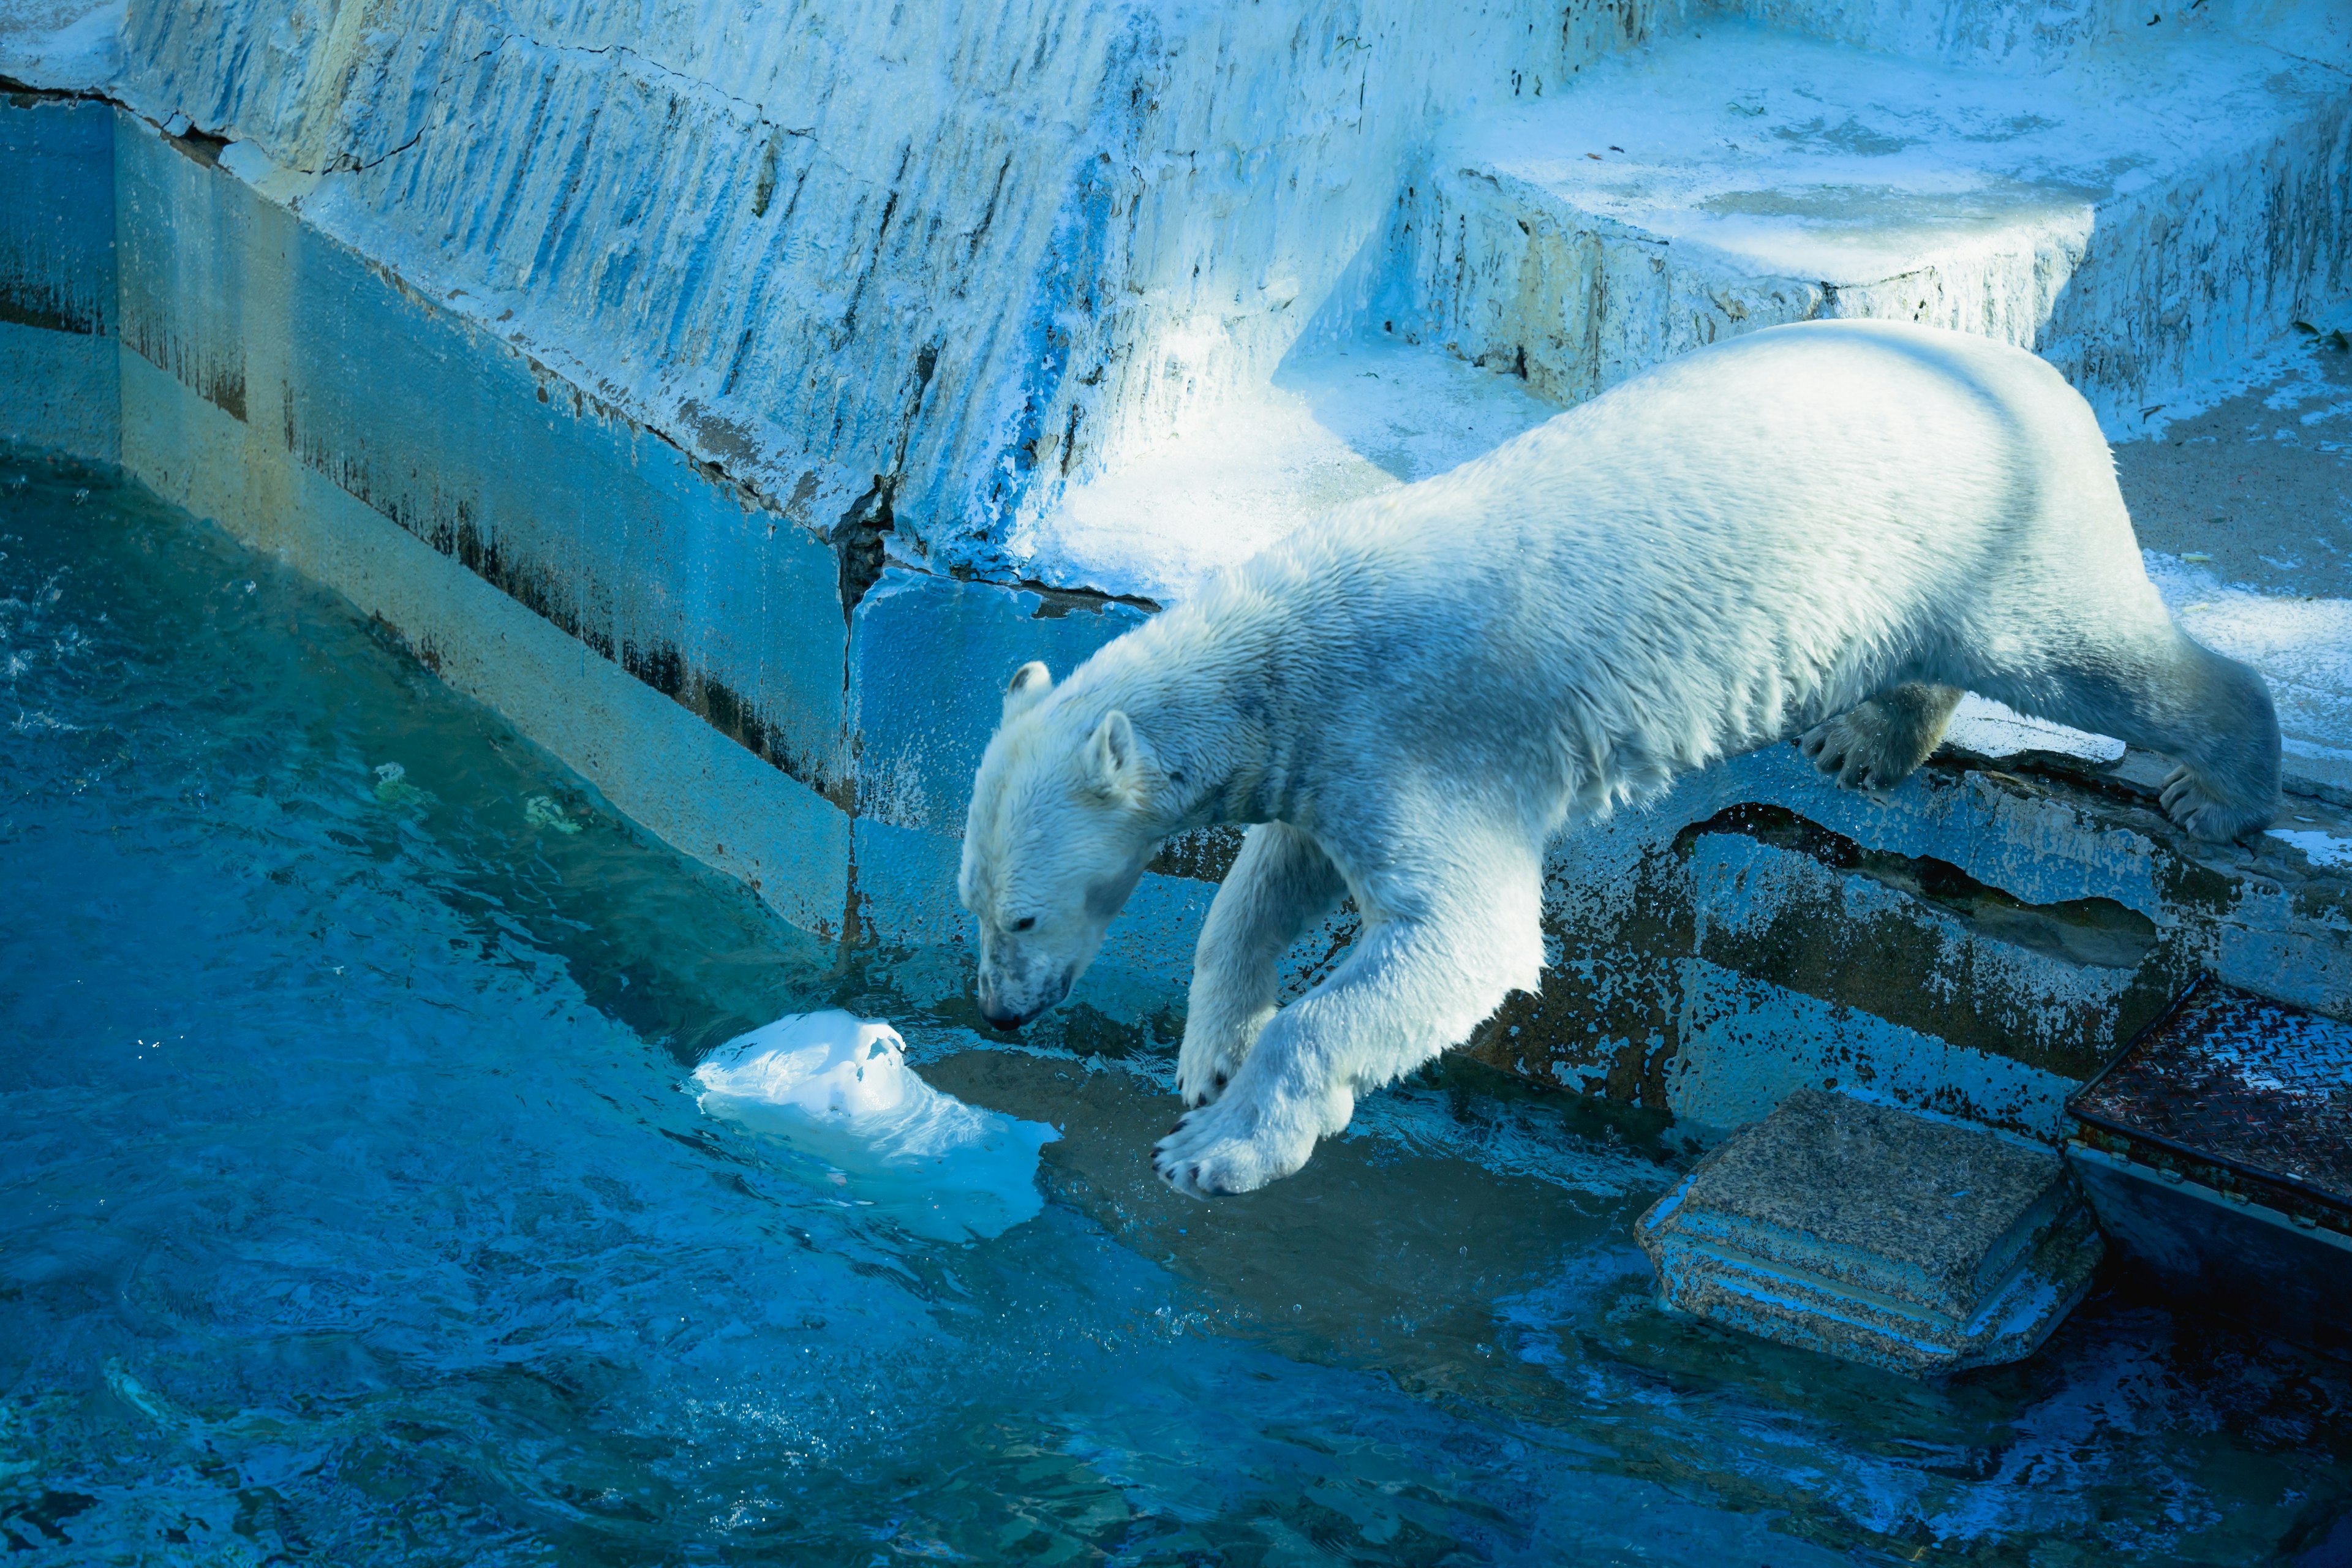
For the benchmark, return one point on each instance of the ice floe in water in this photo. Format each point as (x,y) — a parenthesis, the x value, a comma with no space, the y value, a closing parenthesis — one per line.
(837,1089)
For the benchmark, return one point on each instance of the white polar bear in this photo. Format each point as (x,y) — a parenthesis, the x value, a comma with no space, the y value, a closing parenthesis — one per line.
(1827,530)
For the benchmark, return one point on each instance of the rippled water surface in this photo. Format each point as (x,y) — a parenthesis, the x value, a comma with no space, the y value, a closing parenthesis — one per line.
(356,1212)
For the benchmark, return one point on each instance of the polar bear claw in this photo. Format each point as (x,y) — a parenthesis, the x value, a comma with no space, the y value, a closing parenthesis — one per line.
(1214,1048)
(1236,1144)
(2193,802)
(1877,745)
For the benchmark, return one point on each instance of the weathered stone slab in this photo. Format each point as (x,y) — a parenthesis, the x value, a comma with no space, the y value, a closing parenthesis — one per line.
(2140,220)
(1875,1235)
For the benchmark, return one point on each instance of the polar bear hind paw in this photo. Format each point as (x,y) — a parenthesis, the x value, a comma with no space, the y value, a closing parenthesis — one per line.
(2191,800)
(1869,748)
(1229,1147)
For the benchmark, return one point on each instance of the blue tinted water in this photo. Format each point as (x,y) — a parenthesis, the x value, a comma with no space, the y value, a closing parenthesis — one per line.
(356,1211)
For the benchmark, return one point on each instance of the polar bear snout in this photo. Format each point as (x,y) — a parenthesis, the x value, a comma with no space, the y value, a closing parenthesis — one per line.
(1010,995)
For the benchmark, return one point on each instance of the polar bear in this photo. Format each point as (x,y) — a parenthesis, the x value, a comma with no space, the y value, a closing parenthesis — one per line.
(1825,531)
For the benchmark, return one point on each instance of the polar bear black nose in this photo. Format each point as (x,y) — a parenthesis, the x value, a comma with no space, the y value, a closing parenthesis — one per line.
(998,1018)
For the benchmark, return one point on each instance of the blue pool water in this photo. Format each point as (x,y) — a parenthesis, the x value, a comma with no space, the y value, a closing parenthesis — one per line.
(358,1211)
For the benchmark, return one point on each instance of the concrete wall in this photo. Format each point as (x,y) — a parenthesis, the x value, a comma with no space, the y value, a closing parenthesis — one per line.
(971,249)
(804,711)
(58,373)
(708,664)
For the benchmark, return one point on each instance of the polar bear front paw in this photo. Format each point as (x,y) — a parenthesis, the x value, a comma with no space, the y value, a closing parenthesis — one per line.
(1214,1052)
(2190,800)
(1236,1145)
(1864,749)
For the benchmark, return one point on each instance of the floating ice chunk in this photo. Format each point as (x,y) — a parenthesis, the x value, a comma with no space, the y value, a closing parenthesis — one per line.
(392,785)
(837,1087)
(540,811)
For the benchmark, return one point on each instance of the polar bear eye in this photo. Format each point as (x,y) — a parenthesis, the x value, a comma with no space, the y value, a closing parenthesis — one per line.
(1026,922)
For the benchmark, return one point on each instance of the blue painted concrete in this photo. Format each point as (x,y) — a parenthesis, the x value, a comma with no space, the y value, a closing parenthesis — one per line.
(58,277)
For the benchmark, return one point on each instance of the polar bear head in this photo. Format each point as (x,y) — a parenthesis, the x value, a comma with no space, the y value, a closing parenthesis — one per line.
(1060,830)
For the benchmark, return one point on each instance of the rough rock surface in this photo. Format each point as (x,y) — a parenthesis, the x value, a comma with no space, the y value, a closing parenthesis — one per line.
(958,265)
(1877,1236)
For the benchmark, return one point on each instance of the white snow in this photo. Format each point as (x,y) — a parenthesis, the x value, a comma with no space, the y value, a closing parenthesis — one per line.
(2302,646)
(2325,849)
(1337,422)
(1784,156)
(62,44)
(837,1089)
(1715,183)
(1992,728)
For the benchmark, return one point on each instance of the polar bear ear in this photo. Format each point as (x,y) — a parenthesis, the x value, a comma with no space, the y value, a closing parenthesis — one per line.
(1117,758)
(1028,687)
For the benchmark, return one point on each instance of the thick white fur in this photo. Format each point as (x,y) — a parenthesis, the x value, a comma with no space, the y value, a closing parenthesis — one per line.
(1825,530)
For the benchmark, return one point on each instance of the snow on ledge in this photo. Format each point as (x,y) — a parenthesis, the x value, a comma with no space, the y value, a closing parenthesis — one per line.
(1366,415)
(1990,729)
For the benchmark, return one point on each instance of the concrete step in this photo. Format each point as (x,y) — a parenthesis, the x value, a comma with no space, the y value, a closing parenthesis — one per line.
(2142,218)
(1877,1236)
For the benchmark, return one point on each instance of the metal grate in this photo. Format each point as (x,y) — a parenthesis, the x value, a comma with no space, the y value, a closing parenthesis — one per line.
(2233,1079)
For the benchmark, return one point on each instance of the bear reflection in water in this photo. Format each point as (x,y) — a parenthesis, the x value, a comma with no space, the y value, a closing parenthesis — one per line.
(835,1091)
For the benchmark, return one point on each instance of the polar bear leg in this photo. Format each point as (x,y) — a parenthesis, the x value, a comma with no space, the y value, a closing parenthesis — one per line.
(2164,692)
(1280,882)
(1408,989)
(1879,744)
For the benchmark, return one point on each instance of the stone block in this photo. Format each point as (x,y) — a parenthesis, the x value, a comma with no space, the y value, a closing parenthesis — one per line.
(2140,220)
(1875,1235)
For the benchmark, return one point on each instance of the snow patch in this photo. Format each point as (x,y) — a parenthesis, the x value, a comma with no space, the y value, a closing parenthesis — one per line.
(1992,728)
(2302,646)
(2324,849)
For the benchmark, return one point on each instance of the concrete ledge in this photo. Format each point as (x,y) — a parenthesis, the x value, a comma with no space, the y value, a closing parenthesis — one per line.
(57,304)
(2220,1248)
(1975,943)
(2141,221)
(683,781)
